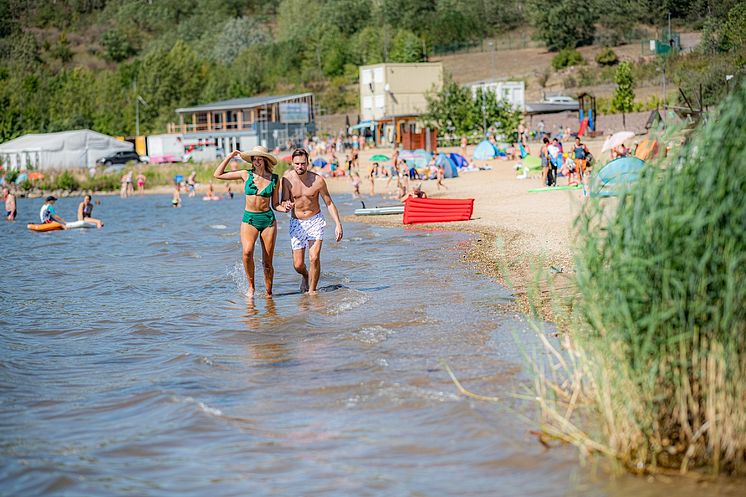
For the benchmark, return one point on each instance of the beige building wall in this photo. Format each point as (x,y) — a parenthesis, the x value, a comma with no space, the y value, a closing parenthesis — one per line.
(397,89)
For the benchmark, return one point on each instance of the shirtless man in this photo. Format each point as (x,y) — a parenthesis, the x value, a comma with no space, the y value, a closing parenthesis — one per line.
(10,205)
(301,190)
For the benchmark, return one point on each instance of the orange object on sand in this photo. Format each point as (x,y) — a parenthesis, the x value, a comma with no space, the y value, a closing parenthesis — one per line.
(53,226)
(646,149)
(35,175)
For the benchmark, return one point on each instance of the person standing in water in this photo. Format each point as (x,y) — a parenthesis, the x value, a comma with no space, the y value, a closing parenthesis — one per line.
(10,205)
(301,190)
(85,209)
(260,187)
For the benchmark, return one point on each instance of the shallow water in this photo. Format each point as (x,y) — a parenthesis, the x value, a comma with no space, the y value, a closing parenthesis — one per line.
(132,365)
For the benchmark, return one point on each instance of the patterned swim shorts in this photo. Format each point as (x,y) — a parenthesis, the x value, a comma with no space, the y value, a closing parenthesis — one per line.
(304,230)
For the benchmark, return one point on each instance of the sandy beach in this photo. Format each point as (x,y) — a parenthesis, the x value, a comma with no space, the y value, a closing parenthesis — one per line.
(520,232)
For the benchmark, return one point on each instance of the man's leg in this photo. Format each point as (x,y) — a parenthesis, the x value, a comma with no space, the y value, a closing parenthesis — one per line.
(314,256)
(299,264)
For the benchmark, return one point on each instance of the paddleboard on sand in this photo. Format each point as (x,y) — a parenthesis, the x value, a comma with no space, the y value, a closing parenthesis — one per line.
(555,188)
(380,211)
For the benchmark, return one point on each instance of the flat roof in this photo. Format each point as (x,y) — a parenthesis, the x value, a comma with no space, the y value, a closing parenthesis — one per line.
(241,103)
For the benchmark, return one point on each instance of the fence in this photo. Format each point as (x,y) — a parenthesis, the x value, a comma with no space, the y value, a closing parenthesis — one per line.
(487,45)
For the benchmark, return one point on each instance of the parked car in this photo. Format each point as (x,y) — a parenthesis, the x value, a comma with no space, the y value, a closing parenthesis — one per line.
(121,157)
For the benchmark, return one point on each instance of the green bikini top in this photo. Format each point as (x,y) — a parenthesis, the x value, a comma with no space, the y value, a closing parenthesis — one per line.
(250,187)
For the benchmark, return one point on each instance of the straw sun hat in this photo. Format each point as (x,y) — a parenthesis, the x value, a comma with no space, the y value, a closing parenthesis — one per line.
(259,151)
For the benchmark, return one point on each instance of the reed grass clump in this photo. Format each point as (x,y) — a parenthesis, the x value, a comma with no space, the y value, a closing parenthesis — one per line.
(653,371)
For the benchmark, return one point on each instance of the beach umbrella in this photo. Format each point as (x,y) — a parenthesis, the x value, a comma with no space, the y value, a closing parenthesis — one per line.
(319,162)
(21,178)
(617,139)
(380,158)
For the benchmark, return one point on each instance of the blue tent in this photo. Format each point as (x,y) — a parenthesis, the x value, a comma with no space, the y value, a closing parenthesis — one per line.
(459,160)
(485,151)
(615,176)
(319,162)
(449,167)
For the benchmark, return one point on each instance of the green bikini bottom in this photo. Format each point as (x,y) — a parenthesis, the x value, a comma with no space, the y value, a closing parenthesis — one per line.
(259,220)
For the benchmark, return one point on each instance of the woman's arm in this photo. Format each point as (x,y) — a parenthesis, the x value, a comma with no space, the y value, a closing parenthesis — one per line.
(220,171)
(80,211)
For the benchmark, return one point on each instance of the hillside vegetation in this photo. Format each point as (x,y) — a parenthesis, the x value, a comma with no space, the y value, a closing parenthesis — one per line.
(81,63)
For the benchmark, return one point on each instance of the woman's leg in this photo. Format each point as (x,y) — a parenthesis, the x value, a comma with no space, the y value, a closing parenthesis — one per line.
(97,222)
(268,238)
(249,234)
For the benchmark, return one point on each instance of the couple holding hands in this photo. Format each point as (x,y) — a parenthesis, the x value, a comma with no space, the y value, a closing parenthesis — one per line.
(301,190)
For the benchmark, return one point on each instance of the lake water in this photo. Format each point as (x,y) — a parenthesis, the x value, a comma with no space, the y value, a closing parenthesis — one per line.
(132,365)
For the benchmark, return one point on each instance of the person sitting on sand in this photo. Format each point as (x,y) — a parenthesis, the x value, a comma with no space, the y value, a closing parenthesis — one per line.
(85,209)
(418,192)
(47,214)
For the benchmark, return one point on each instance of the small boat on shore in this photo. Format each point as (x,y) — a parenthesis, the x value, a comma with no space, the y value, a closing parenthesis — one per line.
(380,211)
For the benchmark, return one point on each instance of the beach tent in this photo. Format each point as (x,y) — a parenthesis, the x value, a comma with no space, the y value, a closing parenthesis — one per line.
(485,151)
(412,158)
(449,167)
(615,176)
(64,150)
(459,160)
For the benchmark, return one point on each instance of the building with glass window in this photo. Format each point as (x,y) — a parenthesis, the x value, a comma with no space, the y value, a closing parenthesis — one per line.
(243,123)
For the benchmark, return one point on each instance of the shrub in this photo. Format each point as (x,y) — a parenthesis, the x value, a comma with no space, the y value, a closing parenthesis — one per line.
(11,175)
(101,183)
(607,57)
(567,57)
(66,181)
(658,349)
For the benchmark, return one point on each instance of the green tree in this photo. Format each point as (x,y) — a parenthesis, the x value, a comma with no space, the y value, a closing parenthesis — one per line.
(564,23)
(406,47)
(368,46)
(624,94)
(236,35)
(116,46)
(298,20)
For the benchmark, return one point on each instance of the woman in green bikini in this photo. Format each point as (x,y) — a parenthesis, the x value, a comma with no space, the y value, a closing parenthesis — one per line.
(262,194)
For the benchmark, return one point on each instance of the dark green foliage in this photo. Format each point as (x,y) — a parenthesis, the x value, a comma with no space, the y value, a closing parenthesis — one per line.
(116,46)
(567,57)
(407,47)
(624,94)
(564,23)
(607,57)
(184,52)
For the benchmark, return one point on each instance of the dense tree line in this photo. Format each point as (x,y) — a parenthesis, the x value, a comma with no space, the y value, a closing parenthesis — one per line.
(81,63)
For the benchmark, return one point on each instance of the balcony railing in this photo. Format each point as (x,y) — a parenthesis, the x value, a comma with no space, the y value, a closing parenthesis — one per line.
(208,128)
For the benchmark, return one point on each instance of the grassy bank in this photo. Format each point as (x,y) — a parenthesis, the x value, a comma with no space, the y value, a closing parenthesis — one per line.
(652,371)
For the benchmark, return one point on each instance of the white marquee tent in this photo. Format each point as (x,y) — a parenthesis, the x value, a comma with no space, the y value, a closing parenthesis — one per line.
(65,150)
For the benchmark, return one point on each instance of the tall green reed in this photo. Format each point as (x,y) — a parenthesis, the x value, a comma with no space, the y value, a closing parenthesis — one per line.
(654,369)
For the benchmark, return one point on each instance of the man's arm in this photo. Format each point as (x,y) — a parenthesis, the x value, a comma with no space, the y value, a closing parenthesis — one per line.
(324,192)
